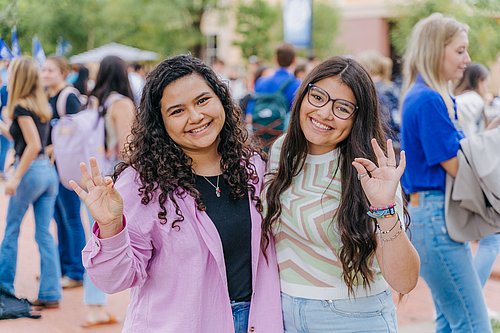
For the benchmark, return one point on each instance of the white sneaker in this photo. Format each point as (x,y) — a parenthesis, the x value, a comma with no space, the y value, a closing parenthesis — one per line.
(493,315)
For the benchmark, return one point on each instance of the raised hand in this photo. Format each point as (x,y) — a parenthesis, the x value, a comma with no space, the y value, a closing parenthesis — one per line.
(380,182)
(102,199)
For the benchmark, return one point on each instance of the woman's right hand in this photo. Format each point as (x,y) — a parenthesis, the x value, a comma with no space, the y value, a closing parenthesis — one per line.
(102,199)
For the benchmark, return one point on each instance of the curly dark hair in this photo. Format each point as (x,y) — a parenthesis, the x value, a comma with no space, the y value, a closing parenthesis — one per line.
(163,167)
(355,227)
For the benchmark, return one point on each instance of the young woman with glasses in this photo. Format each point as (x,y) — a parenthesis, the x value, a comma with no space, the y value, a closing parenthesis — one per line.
(337,217)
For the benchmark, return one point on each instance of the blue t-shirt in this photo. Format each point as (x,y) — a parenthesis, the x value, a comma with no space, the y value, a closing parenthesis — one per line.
(428,137)
(271,84)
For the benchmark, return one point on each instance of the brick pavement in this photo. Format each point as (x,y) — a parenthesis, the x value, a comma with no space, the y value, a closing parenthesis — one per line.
(415,311)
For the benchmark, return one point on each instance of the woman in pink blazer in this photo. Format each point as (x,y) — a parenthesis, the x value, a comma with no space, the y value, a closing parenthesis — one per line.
(179,222)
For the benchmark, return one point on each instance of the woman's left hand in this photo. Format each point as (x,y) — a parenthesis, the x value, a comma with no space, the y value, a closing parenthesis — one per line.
(380,182)
(11,186)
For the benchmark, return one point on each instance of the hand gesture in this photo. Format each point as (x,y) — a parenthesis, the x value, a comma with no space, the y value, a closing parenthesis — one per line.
(380,182)
(102,199)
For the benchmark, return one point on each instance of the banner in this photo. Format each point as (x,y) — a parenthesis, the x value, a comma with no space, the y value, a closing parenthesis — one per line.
(297,23)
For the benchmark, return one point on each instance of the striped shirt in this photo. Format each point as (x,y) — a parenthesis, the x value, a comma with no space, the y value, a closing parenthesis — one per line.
(307,239)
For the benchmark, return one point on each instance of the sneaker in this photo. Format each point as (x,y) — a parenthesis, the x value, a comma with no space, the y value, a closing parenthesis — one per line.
(68,283)
(39,304)
(493,315)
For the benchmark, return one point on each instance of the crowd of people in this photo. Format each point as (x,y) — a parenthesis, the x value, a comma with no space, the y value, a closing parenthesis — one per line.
(297,202)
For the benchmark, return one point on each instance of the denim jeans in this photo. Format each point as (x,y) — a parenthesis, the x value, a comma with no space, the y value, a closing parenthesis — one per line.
(91,294)
(240,316)
(70,233)
(39,188)
(5,145)
(486,255)
(373,314)
(447,268)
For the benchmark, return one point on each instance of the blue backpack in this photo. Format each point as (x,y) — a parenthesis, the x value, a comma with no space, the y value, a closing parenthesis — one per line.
(269,114)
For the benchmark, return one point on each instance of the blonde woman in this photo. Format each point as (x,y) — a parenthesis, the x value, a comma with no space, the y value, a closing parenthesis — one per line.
(70,232)
(437,54)
(34,181)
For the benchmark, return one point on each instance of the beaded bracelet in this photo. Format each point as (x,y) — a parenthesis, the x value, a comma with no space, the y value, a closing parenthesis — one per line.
(385,240)
(387,231)
(378,213)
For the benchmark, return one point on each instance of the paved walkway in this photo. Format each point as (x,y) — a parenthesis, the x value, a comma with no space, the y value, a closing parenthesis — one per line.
(415,311)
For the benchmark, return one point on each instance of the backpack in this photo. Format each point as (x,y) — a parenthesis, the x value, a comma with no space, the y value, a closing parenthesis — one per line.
(12,307)
(63,99)
(269,114)
(76,138)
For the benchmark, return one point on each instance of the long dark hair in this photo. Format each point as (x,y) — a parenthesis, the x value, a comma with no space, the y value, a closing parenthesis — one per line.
(473,75)
(112,76)
(163,167)
(356,230)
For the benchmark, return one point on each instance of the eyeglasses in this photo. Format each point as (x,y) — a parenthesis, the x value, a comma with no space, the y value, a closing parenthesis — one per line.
(341,108)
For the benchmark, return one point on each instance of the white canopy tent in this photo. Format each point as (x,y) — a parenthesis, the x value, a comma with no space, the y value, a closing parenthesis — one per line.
(125,52)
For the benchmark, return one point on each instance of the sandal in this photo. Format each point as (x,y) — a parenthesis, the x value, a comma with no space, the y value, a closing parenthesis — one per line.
(91,324)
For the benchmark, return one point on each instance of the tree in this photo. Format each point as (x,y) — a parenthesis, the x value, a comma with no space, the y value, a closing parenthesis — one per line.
(260,27)
(255,20)
(164,26)
(326,20)
(480,15)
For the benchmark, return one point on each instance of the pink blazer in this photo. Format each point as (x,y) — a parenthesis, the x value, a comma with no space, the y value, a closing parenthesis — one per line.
(178,278)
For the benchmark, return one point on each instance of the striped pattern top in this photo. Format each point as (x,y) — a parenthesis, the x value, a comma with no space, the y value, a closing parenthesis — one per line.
(307,241)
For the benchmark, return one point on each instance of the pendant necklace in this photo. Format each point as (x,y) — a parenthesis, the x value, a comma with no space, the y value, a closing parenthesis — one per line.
(217,189)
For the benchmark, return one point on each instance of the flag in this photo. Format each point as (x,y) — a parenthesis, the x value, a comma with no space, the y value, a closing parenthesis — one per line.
(16,49)
(63,47)
(297,22)
(38,53)
(5,53)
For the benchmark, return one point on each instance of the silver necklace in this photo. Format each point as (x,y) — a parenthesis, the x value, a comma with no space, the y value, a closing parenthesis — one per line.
(217,188)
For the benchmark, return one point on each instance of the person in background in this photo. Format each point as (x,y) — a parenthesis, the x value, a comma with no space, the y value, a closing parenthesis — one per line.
(136,78)
(34,181)
(112,92)
(437,54)
(70,232)
(180,221)
(380,68)
(5,143)
(472,97)
(337,216)
(300,71)
(285,59)
(81,83)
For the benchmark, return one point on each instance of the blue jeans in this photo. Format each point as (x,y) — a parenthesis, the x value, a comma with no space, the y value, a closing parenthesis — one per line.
(240,316)
(448,269)
(486,255)
(374,314)
(39,188)
(5,145)
(91,294)
(70,233)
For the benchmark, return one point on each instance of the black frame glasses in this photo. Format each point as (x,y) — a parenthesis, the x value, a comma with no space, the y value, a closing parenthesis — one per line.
(319,97)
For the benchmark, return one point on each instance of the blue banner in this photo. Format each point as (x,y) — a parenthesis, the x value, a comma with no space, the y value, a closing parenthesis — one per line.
(297,22)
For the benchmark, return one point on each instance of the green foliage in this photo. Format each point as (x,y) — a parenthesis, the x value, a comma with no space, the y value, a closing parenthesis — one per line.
(166,27)
(326,20)
(260,27)
(255,22)
(484,35)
